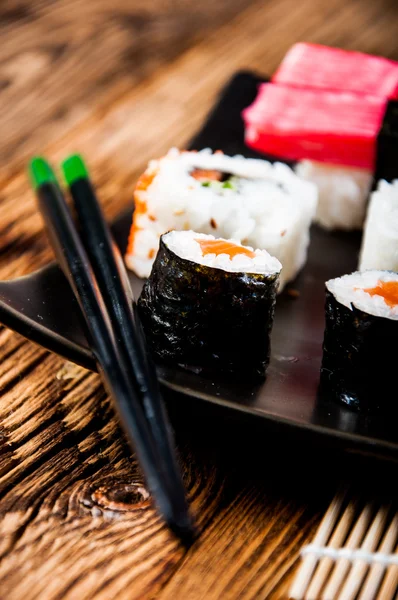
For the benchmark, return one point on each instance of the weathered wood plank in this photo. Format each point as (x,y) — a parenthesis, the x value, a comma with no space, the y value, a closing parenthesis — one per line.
(72,500)
(58,59)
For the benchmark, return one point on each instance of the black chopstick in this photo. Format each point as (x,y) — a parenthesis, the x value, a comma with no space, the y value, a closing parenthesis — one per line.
(111,275)
(75,264)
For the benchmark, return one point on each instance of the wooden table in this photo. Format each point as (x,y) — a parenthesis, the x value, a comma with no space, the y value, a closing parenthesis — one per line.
(121,82)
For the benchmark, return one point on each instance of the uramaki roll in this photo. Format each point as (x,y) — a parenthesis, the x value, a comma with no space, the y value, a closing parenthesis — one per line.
(260,204)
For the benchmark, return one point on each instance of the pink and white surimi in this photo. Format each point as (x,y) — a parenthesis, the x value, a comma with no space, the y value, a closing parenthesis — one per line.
(324,108)
(320,67)
(331,134)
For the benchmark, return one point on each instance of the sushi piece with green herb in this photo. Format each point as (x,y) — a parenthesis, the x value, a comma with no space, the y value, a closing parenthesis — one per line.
(359,349)
(208,304)
(259,204)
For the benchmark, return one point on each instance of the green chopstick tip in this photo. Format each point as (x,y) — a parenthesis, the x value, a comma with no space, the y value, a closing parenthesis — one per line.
(41,172)
(74,168)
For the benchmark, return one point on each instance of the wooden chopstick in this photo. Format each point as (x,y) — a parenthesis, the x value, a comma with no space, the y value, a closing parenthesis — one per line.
(114,284)
(75,264)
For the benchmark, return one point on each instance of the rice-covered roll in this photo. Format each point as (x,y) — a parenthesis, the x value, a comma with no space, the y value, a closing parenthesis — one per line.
(259,204)
(380,240)
(342,193)
(208,304)
(360,343)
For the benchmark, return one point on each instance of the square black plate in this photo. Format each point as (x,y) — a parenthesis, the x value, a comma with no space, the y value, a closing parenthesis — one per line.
(36,306)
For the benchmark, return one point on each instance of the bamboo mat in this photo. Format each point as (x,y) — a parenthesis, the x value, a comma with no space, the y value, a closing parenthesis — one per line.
(354,553)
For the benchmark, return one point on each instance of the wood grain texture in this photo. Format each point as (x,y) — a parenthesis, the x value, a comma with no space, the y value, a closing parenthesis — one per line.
(122,82)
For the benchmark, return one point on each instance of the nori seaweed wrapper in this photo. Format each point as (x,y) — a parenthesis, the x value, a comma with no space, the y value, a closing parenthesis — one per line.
(207,319)
(359,358)
(387,145)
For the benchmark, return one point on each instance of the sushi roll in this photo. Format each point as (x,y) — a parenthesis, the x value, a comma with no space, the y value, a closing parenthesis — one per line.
(260,204)
(208,304)
(380,239)
(334,147)
(359,348)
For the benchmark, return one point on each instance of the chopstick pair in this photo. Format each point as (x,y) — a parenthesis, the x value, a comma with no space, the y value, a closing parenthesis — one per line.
(92,263)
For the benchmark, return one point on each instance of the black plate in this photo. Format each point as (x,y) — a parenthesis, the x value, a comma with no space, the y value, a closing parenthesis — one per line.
(41,307)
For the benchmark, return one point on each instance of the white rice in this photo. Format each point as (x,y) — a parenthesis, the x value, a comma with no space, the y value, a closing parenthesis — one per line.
(184,244)
(349,290)
(380,240)
(342,193)
(268,207)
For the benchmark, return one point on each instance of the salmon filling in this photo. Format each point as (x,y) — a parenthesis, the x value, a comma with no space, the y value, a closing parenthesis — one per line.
(222,247)
(207,175)
(388,290)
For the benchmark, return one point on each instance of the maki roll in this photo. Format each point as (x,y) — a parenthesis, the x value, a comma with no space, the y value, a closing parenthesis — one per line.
(380,239)
(260,204)
(208,304)
(359,348)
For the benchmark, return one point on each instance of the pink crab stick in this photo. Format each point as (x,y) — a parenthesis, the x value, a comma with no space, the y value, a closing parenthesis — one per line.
(321,67)
(324,126)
